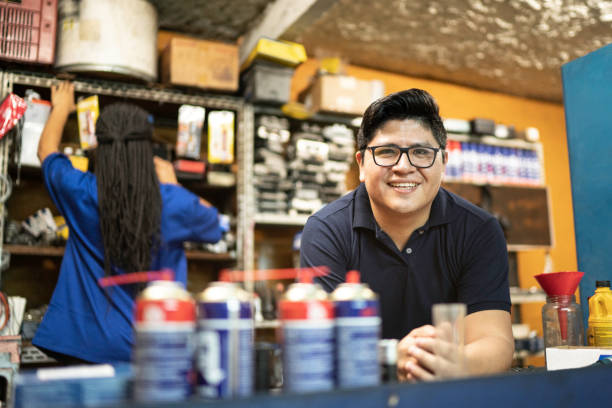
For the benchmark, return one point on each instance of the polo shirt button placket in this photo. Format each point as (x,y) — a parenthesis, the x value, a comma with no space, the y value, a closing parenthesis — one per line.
(408,251)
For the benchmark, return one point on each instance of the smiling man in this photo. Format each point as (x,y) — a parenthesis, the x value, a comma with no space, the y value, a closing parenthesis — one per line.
(415,243)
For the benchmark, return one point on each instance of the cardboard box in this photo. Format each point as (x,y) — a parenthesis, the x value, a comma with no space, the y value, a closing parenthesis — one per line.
(564,357)
(282,52)
(267,82)
(342,94)
(199,63)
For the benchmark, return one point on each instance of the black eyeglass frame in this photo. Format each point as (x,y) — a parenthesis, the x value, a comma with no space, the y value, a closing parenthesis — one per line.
(405,150)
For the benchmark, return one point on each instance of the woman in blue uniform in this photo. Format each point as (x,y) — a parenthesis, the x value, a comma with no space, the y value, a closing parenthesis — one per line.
(130,215)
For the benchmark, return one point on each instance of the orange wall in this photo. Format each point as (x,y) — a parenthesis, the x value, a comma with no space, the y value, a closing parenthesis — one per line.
(465,103)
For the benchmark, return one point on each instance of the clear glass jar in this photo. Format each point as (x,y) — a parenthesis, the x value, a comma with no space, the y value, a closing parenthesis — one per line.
(562,321)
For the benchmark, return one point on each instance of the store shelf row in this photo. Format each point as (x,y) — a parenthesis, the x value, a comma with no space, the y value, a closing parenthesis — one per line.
(58,251)
(517,297)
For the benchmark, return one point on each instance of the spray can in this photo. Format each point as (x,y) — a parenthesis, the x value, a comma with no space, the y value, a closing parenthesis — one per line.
(599,332)
(163,346)
(307,337)
(224,356)
(357,324)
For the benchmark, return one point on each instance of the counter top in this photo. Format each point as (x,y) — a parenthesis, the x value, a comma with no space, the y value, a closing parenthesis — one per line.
(538,388)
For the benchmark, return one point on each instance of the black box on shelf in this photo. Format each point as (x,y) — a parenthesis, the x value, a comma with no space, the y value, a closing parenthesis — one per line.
(267,82)
(482,126)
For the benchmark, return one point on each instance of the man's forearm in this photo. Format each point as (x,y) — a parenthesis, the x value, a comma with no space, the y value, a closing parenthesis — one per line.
(491,354)
(52,133)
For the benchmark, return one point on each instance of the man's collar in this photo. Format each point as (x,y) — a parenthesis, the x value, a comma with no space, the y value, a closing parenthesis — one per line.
(439,213)
(364,217)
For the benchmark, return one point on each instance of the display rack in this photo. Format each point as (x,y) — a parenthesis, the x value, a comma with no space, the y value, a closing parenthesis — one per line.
(151,93)
(58,251)
(280,219)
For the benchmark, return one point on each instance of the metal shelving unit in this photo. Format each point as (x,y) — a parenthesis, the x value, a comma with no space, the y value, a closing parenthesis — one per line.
(58,251)
(280,219)
(5,145)
(272,220)
(154,93)
(255,219)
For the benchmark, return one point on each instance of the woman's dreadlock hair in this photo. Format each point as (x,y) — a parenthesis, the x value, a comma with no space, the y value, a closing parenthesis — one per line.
(128,189)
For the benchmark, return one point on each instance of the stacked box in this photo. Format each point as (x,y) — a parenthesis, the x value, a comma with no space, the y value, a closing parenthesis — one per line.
(270,168)
(307,154)
(298,172)
(341,142)
(267,82)
(342,94)
(200,63)
(73,386)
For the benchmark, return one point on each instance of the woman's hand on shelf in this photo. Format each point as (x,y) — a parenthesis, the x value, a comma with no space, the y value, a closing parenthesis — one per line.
(165,171)
(62,97)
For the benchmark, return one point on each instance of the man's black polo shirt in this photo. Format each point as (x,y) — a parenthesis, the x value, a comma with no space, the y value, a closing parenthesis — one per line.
(459,255)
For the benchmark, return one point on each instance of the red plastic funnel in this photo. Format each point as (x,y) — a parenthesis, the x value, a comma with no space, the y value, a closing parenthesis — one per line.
(559,283)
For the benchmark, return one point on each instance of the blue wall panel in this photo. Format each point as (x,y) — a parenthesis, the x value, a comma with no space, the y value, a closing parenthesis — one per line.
(587,94)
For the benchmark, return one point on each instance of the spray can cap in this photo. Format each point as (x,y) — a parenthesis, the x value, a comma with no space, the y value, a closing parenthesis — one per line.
(352,277)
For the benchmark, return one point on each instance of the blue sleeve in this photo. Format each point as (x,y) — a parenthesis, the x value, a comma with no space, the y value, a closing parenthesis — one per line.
(184,218)
(323,245)
(484,280)
(73,192)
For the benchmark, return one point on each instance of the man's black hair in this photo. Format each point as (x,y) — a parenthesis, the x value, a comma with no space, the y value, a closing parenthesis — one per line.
(415,104)
(129,199)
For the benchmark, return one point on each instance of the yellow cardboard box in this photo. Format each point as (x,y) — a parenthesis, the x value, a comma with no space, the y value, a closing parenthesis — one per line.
(283,52)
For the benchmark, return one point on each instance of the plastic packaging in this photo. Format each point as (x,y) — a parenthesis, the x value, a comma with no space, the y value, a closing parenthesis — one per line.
(11,110)
(88,110)
(599,332)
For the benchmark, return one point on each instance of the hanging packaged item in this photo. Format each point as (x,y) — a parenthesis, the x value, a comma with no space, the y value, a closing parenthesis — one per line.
(35,119)
(189,137)
(88,110)
(221,137)
(11,110)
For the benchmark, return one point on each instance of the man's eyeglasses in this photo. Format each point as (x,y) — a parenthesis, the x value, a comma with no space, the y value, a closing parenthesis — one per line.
(389,155)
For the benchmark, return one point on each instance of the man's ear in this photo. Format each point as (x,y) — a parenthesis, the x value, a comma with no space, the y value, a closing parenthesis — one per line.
(445,157)
(359,157)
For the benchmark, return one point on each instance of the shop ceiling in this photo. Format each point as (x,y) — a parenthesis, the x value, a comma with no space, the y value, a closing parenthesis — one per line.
(510,46)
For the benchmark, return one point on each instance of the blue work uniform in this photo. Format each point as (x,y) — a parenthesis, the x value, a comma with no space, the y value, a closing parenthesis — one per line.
(81,320)
(459,255)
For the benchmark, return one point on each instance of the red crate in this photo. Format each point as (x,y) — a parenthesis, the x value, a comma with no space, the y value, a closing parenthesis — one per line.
(27,30)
